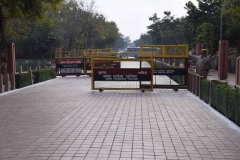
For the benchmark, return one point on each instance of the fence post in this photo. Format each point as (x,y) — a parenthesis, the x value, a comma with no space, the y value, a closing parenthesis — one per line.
(189,80)
(20,69)
(193,83)
(12,79)
(6,82)
(30,72)
(1,83)
(197,85)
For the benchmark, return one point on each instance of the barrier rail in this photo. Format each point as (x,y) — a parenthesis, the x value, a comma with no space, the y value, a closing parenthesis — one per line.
(164,51)
(69,63)
(138,75)
(170,61)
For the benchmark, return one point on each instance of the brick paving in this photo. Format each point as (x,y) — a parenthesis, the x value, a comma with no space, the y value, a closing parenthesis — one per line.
(64,119)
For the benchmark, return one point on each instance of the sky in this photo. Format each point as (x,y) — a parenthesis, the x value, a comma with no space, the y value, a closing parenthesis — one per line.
(132,16)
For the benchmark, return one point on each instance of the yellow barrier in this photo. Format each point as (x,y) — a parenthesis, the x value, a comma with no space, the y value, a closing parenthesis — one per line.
(164,51)
(69,54)
(91,52)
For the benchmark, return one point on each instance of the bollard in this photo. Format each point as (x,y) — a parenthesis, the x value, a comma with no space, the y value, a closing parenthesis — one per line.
(1,83)
(12,80)
(20,69)
(6,82)
(31,75)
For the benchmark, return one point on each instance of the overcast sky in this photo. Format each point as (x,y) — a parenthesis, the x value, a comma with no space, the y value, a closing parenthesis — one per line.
(131,16)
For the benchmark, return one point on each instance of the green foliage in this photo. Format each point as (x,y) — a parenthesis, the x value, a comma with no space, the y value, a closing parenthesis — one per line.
(168,30)
(205,90)
(145,39)
(22,80)
(31,9)
(226,99)
(34,10)
(43,75)
(122,43)
(82,27)
(205,36)
(202,20)
(231,9)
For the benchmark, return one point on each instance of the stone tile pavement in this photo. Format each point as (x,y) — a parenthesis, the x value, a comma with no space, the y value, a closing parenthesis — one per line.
(64,119)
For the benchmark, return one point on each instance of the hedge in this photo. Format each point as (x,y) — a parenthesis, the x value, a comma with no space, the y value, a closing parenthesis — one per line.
(22,80)
(43,75)
(205,90)
(226,99)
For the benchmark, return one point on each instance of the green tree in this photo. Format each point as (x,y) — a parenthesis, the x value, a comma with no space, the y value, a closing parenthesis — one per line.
(41,42)
(168,30)
(143,40)
(122,43)
(205,36)
(21,8)
(208,11)
(231,10)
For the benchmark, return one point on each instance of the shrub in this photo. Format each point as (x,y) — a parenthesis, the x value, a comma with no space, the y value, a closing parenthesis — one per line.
(205,90)
(22,80)
(43,75)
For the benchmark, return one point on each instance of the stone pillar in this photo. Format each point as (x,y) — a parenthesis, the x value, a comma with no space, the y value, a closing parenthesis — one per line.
(6,82)
(198,85)
(223,60)
(11,58)
(1,83)
(189,81)
(11,69)
(238,71)
(38,68)
(20,69)
(199,48)
(31,75)
(12,79)
(193,83)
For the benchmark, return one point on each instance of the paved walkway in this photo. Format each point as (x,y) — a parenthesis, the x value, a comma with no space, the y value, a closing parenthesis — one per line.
(64,119)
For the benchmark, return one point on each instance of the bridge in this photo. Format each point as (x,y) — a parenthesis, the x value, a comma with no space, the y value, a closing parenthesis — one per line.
(64,119)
